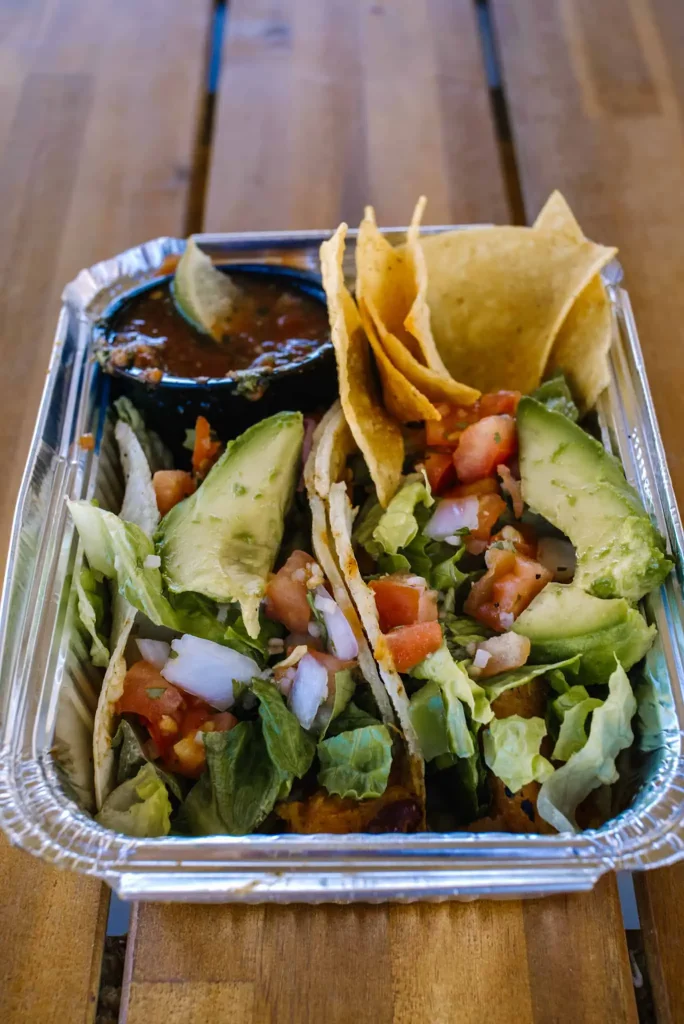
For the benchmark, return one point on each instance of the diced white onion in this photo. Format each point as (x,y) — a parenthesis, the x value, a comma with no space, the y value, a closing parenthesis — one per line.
(222,612)
(152,562)
(341,640)
(453,514)
(481,658)
(154,651)
(558,556)
(208,670)
(309,690)
(314,630)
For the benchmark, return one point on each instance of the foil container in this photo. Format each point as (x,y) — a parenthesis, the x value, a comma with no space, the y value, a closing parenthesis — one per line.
(48,689)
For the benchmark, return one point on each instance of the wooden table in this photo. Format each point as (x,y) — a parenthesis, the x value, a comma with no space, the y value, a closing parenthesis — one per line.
(109,136)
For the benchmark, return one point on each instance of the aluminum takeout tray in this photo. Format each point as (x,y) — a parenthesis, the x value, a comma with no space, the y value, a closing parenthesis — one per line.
(48,690)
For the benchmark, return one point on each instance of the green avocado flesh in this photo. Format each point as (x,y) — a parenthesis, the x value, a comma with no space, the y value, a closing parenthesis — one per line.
(571,480)
(563,620)
(223,540)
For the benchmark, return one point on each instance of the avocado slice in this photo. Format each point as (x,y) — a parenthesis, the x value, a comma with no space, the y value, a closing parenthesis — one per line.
(222,541)
(563,620)
(571,480)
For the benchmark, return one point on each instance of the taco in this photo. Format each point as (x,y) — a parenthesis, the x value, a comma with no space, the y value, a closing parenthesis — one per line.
(240,693)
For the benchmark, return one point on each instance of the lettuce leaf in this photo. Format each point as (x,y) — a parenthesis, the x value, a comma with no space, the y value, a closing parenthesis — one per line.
(157,454)
(239,788)
(93,600)
(594,764)
(129,741)
(138,807)
(555,394)
(398,525)
(119,550)
(356,764)
(496,685)
(511,750)
(198,615)
(428,716)
(290,747)
(461,632)
(572,735)
(451,676)
(353,717)
(328,712)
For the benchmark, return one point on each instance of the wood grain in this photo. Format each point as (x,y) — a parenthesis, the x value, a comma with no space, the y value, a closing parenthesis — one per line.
(98,111)
(659,896)
(608,129)
(325,106)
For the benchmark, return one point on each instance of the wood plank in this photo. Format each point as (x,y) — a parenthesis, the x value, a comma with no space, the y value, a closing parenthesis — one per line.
(608,129)
(323,107)
(98,114)
(659,898)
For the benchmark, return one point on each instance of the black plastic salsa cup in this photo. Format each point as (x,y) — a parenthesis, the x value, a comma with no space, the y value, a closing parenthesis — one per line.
(230,404)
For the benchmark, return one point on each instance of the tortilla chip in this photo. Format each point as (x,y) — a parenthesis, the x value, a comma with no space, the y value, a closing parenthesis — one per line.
(582,346)
(375,432)
(386,290)
(402,399)
(498,297)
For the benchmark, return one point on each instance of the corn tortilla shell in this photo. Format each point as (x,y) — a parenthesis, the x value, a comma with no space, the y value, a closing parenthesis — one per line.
(375,432)
(498,297)
(112,689)
(323,551)
(582,346)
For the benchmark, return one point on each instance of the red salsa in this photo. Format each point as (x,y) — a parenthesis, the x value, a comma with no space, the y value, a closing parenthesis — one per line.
(270,326)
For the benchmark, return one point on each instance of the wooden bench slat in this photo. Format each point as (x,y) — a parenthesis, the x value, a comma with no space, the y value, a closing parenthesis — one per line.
(323,107)
(97,129)
(596,110)
(327,105)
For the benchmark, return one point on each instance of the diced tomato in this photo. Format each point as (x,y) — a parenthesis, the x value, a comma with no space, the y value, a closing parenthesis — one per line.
(490,508)
(409,645)
(440,470)
(506,653)
(403,600)
(445,433)
(286,593)
(519,536)
(206,451)
(170,487)
(499,403)
(488,485)
(511,582)
(146,693)
(483,446)
(189,756)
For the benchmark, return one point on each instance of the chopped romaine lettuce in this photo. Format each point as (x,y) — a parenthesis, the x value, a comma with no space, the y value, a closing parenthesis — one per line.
(199,615)
(462,632)
(138,807)
(511,750)
(132,757)
(239,788)
(157,454)
(352,717)
(428,717)
(122,552)
(496,685)
(93,600)
(594,764)
(572,734)
(555,394)
(441,668)
(398,525)
(289,746)
(328,712)
(356,764)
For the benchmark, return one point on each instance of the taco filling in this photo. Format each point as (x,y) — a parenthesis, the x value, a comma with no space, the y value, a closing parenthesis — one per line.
(235,698)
